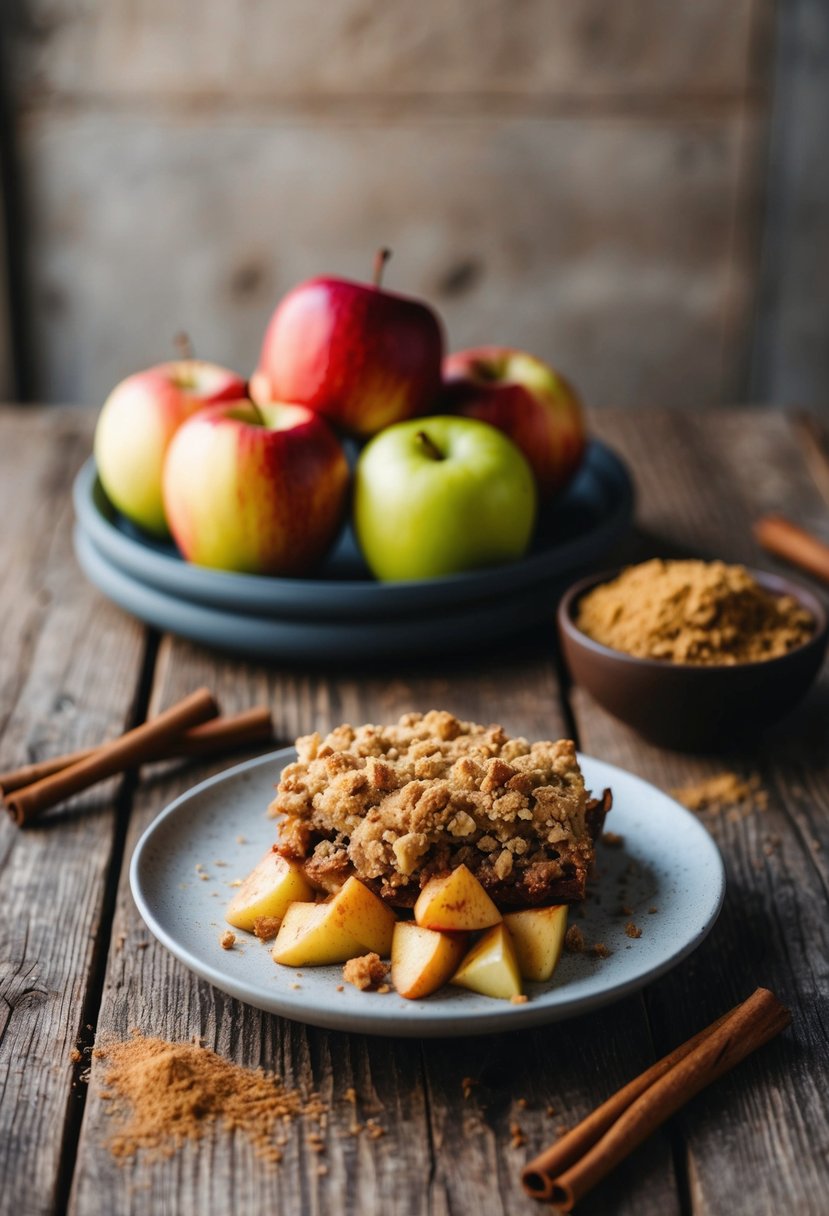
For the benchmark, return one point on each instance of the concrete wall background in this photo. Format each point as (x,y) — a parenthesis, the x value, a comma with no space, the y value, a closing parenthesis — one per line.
(584,179)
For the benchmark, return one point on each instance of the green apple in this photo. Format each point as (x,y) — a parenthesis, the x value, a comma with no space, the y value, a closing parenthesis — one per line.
(436,496)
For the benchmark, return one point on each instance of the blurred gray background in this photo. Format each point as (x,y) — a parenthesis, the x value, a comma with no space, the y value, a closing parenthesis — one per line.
(636,190)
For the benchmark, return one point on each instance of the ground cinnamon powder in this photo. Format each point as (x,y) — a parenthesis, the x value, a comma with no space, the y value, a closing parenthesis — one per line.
(163,1094)
(693,612)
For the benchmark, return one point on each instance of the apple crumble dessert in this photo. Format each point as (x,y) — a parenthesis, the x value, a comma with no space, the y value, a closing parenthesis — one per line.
(398,805)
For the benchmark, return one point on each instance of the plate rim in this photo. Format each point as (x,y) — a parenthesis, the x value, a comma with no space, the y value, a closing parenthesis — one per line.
(432,1025)
(251,593)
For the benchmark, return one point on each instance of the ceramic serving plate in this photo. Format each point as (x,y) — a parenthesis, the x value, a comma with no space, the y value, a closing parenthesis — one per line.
(452,630)
(576,531)
(667,861)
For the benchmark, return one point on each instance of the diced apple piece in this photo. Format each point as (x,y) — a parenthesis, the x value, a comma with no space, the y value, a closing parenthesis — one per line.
(538,936)
(355,921)
(272,885)
(422,960)
(307,937)
(491,966)
(455,903)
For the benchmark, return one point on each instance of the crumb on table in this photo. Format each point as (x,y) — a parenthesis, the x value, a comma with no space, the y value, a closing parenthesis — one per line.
(228,940)
(367,972)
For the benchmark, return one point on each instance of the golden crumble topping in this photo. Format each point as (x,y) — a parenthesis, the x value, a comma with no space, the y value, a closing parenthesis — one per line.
(396,805)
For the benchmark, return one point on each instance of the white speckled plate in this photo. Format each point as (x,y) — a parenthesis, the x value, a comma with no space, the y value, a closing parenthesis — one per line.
(220,827)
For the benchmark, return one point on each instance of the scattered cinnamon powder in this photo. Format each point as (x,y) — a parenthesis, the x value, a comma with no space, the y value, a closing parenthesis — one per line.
(724,792)
(693,612)
(164,1094)
(367,972)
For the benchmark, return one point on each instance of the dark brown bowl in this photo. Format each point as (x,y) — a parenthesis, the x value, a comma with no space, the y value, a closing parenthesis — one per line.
(692,707)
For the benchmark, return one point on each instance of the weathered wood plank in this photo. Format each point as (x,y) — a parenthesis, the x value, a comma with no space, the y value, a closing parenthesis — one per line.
(702,481)
(790,352)
(441,1152)
(251,50)
(506,224)
(69,676)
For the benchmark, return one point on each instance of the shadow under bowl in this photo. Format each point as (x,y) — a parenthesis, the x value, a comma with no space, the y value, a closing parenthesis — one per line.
(688,707)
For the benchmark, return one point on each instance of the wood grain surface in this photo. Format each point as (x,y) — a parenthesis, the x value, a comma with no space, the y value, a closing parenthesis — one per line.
(75,953)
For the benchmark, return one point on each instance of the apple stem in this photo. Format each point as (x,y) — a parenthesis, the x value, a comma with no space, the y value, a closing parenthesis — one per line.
(380,259)
(183,345)
(258,416)
(429,447)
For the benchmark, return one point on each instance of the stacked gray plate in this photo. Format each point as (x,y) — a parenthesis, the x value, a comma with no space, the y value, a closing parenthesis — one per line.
(343,614)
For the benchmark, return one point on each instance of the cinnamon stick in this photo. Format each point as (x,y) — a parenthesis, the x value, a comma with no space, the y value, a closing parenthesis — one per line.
(576,1162)
(131,749)
(794,544)
(219,734)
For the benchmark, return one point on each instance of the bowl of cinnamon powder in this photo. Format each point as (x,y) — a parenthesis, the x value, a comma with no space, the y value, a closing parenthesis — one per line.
(693,654)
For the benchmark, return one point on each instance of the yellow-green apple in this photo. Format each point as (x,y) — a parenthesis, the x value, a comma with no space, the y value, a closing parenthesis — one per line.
(362,356)
(491,966)
(527,400)
(138,420)
(259,490)
(436,496)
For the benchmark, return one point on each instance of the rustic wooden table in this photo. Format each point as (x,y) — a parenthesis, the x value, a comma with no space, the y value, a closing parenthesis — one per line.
(76,962)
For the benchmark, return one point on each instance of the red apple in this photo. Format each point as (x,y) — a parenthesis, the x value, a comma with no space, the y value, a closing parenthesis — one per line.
(137,422)
(527,400)
(259,491)
(363,357)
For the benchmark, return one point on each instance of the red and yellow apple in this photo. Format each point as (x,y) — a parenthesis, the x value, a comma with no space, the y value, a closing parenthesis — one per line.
(362,356)
(527,400)
(258,491)
(137,423)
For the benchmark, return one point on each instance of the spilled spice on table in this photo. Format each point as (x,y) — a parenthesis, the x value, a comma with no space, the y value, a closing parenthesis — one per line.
(724,793)
(163,1094)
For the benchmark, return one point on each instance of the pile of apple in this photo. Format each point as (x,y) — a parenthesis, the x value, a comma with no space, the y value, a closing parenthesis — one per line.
(253,477)
(452,912)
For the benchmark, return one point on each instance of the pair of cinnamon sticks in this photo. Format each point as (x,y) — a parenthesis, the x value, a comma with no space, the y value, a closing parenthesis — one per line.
(581,1158)
(191,727)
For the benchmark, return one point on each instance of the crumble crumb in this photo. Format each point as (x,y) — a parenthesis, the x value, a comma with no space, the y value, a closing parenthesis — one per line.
(626,910)
(574,940)
(632,930)
(228,940)
(75,1056)
(518,999)
(266,927)
(296,987)
(340,987)
(241,839)
(600,950)
(366,972)
(516,1132)
(236,882)
(613,840)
